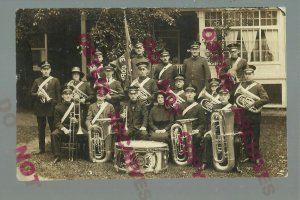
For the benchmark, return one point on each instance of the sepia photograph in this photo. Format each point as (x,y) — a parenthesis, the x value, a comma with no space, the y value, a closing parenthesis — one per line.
(119,93)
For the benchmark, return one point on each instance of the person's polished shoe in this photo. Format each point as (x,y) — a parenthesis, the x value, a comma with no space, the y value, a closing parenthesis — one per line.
(238,169)
(39,152)
(56,160)
(203,167)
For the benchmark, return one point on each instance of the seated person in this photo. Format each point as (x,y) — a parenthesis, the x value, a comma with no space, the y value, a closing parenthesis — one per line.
(191,109)
(99,110)
(207,155)
(62,123)
(136,114)
(160,120)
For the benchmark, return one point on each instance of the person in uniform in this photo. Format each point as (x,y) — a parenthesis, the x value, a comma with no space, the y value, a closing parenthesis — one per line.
(139,57)
(135,114)
(165,70)
(62,122)
(233,65)
(81,91)
(96,68)
(254,118)
(46,93)
(147,86)
(207,144)
(116,94)
(99,110)
(196,68)
(191,109)
(178,86)
(160,120)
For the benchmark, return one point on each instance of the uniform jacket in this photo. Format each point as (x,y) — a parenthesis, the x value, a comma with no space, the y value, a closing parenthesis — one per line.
(93,110)
(195,112)
(229,62)
(136,59)
(259,91)
(116,98)
(149,86)
(160,118)
(137,115)
(86,89)
(53,90)
(197,72)
(59,112)
(167,74)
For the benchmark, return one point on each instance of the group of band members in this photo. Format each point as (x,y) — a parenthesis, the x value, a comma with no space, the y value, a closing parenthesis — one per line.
(143,103)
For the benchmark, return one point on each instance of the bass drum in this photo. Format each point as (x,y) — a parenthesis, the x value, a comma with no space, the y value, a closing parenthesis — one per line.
(141,156)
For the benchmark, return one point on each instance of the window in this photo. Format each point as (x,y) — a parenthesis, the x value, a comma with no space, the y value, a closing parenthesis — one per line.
(38,49)
(256,31)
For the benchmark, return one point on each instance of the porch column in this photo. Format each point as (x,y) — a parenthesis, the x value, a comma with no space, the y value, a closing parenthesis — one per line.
(83,31)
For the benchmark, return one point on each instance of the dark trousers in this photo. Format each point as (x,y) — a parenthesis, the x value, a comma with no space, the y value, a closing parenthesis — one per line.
(59,136)
(136,134)
(251,140)
(41,128)
(197,145)
(207,148)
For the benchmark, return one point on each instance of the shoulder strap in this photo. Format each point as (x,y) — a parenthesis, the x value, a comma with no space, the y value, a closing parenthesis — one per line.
(45,82)
(189,108)
(79,84)
(102,107)
(250,86)
(227,106)
(164,69)
(67,112)
(180,92)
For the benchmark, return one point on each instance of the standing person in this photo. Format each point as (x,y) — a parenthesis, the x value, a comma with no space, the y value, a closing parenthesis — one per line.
(255,89)
(234,64)
(46,93)
(165,70)
(96,68)
(116,94)
(136,116)
(137,58)
(147,86)
(84,93)
(62,121)
(196,68)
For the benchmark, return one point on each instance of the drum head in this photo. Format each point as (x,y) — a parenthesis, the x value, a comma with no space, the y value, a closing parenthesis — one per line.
(140,144)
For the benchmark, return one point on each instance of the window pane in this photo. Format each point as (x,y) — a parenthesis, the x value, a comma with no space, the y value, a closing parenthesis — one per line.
(263,14)
(274,21)
(269,41)
(256,22)
(263,22)
(274,14)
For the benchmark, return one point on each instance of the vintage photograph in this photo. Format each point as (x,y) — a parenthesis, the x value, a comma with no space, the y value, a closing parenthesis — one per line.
(151,92)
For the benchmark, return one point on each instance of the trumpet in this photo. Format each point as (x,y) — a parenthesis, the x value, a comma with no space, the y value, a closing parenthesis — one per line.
(77,93)
(45,97)
(143,96)
(209,101)
(73,139)
(246,99)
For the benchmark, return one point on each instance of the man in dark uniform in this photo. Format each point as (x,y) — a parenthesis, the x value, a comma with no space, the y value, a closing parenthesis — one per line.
(178,87)
(139,57)
(196,68)
(147,86)
(207,154)
(62,121)
(254,118)
(96,68)
(160,120)
(46,93)
(81,91)
(136,115)
(234,64)
(165,70)
(191,109)
(116,93)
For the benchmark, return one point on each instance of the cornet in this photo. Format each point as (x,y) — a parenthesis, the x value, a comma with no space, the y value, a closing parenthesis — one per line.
(178,98)
(77,93)
(45,97)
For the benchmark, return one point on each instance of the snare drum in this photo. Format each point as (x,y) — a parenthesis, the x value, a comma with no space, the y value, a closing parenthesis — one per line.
(141,156)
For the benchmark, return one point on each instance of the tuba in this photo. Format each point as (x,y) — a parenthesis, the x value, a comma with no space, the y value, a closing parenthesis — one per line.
(98,141)
(181,138)
(209,101)
(246,98)
(222,136)
(143,96)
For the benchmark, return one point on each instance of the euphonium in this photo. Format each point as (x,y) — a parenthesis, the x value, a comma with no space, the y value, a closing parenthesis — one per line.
(222,136)
(181,138)
(246,98)
(209,101)
(97,144)
(143,96)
